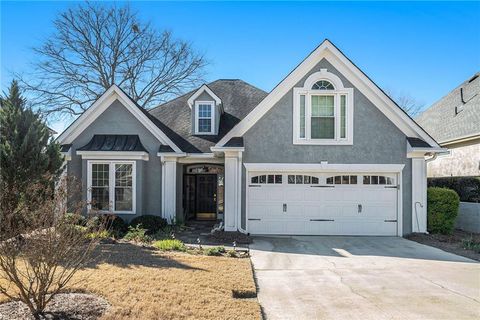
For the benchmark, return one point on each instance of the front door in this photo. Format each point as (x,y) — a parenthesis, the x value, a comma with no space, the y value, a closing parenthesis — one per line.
(206,197)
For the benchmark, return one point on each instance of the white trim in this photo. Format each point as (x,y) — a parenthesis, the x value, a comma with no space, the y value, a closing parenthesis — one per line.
(421,152)
(169,188)
(112,94)
(113,155)
(203,88)
(307,167)
(67,154)
(328,51)
(212,117)
(419,195)
(227,149)
(460,139)
(111,185)
(323,74)
(337,93)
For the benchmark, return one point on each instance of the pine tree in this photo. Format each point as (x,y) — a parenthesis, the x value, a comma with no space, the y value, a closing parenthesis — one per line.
(27,154)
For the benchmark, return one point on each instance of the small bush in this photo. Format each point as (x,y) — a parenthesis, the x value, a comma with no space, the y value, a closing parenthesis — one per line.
(137,234)
(76,219)
(215,251)
(442,210)
(104,234)
(471,244)
(170,245)
(467,188)
(116,226)
(153,224)
(232,253)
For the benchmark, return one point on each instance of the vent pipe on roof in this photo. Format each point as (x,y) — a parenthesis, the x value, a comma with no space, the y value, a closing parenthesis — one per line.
(461,95)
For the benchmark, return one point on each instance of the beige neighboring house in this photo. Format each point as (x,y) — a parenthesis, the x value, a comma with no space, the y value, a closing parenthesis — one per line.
(454,122)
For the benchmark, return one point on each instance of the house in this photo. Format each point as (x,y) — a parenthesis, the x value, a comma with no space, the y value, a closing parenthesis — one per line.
(325,152)
(454,122)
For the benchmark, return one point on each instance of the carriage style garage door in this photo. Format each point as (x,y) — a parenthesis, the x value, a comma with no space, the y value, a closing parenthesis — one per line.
(322,203)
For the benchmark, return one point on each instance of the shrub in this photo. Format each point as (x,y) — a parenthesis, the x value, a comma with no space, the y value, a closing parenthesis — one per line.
(471,244)
(442,209)
(153,224)
(137,234)
(103,234)
(467,188)
(170,245)
(215,251)
(116,225)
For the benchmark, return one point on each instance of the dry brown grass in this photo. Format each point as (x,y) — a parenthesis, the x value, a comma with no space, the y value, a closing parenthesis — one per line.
(141,283)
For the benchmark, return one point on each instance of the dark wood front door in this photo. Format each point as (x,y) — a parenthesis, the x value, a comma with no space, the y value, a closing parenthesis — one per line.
(206,196)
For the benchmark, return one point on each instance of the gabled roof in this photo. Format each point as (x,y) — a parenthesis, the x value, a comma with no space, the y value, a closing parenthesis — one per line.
(326,50)
(200,90)
(102,103)
(238,99)
(114,142)
(452,119)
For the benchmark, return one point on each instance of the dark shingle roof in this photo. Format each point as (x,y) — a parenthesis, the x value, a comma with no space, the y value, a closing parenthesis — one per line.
(235,142)
(417,143)
(450,118)
(164,148)
(114,142)
(174,117)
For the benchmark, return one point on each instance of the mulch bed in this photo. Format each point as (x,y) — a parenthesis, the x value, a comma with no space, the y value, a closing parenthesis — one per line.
(450,243)
(78,306)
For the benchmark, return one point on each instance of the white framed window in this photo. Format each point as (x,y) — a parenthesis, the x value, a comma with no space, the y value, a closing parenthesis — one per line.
(204,117)
(323,111)
(111,186)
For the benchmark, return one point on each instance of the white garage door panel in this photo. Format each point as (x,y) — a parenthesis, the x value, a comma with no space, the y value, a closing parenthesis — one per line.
(322,209)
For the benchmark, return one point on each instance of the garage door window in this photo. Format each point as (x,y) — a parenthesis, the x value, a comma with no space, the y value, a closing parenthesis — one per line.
(267,179)
(342,179)
(383,180)
(302,179)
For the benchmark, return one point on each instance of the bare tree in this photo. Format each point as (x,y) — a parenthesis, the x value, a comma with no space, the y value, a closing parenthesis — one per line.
(95,46)
(39,259)
(408,103)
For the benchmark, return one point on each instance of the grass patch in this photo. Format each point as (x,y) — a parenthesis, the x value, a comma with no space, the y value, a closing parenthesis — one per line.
(170,245)
(140,283)
(215,251)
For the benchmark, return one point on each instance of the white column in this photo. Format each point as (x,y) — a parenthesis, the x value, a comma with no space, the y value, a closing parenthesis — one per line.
(232,190)
(419,195)
(169,188)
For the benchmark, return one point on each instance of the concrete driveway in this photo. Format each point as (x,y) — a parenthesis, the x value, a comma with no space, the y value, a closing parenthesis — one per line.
(363,278)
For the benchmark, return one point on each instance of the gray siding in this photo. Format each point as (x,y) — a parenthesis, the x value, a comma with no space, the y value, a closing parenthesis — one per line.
(116,119)
(375,140)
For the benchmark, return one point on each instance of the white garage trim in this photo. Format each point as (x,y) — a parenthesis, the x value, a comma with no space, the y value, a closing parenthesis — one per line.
(320,167)
(395,169)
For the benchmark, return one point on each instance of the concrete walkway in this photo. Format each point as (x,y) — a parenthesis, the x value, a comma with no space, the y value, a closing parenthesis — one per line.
(363,278)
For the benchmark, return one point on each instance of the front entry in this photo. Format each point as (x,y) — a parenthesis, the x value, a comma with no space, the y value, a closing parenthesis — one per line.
(206,197)
(203,192)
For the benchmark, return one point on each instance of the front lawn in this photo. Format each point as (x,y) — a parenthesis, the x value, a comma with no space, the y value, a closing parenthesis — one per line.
(142,283)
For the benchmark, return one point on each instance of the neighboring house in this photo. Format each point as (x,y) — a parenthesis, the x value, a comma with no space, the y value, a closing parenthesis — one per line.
(325,152)
(454,122)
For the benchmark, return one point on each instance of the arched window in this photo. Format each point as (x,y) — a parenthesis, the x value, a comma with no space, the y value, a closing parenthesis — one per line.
(323,85)
(323,110)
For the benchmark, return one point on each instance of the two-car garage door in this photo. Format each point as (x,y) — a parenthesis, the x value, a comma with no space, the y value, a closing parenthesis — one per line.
(321,203)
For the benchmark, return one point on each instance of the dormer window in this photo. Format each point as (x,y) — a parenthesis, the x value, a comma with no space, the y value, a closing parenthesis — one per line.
(204,117)
(323,111)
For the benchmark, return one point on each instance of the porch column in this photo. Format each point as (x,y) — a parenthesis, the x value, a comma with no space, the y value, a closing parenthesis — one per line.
(419,195)
(169,189)
(232,189)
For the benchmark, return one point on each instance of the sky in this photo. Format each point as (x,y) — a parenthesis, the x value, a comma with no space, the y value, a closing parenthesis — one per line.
(419,49)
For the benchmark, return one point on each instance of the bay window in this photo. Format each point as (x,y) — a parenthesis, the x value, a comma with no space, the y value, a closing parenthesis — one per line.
(323,111)
(111,186)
